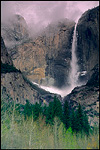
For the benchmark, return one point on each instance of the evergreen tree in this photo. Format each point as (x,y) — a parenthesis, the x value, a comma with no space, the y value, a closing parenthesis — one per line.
(66,115)
(27,109)
(50,113)
(86,126)
(79,119)
(57,108)
(54,110)
(82,123)
(44,110)
(37,109)
(73,120)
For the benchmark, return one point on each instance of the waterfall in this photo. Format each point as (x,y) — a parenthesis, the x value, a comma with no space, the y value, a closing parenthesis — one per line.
(73,75)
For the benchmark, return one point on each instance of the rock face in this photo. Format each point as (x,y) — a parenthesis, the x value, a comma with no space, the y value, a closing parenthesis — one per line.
(46,59)
(15,31)
(88,40)
(88,96)
(88,60)
(4,54)
(15,86)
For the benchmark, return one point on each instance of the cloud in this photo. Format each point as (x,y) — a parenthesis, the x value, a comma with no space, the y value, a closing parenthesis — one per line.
(39,13)
(6,11)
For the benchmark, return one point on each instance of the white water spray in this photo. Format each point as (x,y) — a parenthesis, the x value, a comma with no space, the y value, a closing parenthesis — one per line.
(63,92)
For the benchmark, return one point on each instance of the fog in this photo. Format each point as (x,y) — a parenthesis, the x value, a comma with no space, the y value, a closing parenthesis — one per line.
(38,14)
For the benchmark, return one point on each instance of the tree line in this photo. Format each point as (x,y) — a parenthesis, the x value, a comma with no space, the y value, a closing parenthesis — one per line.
(76,120)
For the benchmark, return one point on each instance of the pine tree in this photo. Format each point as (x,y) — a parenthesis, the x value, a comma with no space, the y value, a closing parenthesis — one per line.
(79,119)
(27,109)
(50,113)
(57,108)
(37,109)
(73,120)
(86,126)
(54,110)
(44,110)
(66,115)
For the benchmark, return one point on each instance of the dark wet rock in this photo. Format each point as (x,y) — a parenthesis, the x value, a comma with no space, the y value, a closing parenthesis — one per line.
(88,40)
(5,58)
(88,96)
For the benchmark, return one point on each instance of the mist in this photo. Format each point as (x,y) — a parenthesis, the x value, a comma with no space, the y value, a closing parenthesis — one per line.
(61,91)
(38,14)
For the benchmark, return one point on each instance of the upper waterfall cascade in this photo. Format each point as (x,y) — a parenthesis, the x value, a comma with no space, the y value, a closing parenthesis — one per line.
(73,75)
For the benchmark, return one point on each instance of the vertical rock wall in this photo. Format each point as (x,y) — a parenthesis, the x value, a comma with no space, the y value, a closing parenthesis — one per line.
(88,40)
(47,58)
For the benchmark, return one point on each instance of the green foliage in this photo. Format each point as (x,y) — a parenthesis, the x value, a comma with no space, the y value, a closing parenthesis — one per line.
(66,115)
(54,110)
(73,120)
(37,109)
(32,132)
(57,108)
(77,120)
(6,68)
(44,110)
(86,126)
(69,130)
(81,121)
(27,109)
(50,113)
(6,108)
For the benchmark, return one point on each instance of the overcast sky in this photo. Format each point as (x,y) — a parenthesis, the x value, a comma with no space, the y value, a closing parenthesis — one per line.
(39,13)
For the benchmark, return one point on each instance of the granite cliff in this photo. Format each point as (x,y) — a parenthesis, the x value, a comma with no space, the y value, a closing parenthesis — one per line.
(5,58)
(46,59)
(88,96)
(14,86)
(88,41)
(88,59)
(14,31)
